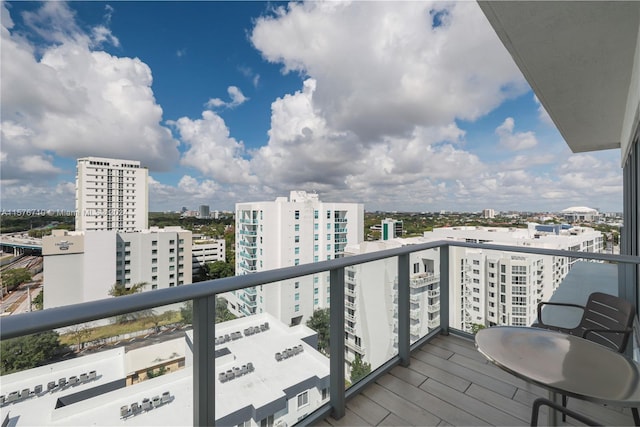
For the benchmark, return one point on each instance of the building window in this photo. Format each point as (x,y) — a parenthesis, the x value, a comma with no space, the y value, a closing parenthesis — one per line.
(315,248)
(296,285)
(303,399)
(315,301)
(328,214)
(296,297)
(328,236)
(296,227)
(416,268)
(296,261)
(296,308)
(172,242)
(154,269)
(154,243)
(296,239)
(315,237)
(267,422)
(315,226)
(315,291)
(296,214)
(296,250)
(315,214)
(328,226)
(181,241)
(315,258)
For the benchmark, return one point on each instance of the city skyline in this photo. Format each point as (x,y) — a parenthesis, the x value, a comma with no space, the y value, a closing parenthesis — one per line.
(410,106)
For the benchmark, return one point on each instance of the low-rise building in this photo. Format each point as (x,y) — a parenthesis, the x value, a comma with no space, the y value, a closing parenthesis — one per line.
(266,374)
(204,251)
(83,266)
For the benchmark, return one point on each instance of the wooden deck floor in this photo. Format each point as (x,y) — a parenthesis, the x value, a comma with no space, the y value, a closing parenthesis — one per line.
(450,383)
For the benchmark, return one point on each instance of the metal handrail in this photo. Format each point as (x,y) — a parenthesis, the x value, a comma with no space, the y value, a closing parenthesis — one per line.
(52,318)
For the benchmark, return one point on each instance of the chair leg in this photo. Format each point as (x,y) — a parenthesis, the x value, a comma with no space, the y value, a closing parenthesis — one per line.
(636,417)
(554,406)
(564,405)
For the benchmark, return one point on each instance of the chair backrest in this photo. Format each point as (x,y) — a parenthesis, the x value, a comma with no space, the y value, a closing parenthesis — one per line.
(604,311)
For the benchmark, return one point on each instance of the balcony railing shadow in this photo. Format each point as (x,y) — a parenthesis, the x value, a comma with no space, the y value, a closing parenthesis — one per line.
(203,296)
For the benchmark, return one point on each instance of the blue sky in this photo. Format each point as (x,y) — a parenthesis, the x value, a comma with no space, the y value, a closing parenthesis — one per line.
(398,105)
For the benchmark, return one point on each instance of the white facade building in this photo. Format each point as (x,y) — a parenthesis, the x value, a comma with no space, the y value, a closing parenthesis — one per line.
(288,232)
(492,287)
(488,213)
(272,393)
(83,266)
(204,251)
(111,194)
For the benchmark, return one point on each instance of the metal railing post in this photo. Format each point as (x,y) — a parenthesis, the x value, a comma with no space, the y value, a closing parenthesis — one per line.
(336,343)
(444,289)
(204,379)
(404,341)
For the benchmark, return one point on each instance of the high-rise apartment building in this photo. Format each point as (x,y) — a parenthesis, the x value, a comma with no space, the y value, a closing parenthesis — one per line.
(488,213)
(83,266)
(287,232)
(203,211)
(111,194)
(390,229)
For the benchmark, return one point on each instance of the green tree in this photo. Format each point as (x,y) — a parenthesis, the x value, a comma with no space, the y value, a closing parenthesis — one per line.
(475,327)
(219,269)
(359,369)
(186,311)
(222,312)
(29,351)
(80,333)
(119,289)
(319,322)
(14,277)
(38,301)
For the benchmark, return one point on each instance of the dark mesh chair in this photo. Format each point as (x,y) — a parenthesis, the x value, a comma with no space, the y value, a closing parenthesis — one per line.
(606,320)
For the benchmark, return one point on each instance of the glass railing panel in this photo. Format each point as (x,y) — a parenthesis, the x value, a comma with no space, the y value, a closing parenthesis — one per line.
(272,361)
(132,365)
(371,321)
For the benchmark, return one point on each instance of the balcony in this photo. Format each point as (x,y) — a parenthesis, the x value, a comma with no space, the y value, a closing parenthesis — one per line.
(250,233)
(442,378)
(449,383)
(248,221)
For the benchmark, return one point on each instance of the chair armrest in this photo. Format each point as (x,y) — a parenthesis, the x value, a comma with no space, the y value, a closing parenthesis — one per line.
(562,304)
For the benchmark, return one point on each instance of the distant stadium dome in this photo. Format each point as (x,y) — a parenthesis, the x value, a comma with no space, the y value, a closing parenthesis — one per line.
(580,214)
(580,209)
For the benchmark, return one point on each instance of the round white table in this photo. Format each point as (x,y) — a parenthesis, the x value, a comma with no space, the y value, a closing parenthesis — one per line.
(563,364)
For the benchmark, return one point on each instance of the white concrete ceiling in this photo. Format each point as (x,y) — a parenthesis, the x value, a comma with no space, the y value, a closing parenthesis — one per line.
(578,58)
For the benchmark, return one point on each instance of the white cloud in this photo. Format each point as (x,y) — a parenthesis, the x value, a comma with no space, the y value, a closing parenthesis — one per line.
(212,151)
(74,101)
(236,95)
(515,141)
(181,52)
(543,116)
(382,69)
